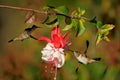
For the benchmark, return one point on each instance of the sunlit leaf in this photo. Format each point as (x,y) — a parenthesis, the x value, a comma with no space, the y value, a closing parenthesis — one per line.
(67,27)
(82,27)
(103,32)
(106,38)
(78,13)
(62,10)
(107,27)
(82,12)
(98,38)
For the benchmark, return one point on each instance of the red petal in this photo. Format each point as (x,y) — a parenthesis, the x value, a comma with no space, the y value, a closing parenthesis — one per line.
(67,38)
(56,41)
(44,38)
(65,34)
(55,31)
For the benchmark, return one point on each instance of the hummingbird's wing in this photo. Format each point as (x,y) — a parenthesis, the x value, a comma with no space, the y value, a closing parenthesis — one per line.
(87,45)
(10,40)
(27,33)
(20,37)
(46,19)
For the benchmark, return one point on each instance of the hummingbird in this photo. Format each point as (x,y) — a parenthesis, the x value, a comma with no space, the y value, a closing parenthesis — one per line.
(25,34)
(83,58)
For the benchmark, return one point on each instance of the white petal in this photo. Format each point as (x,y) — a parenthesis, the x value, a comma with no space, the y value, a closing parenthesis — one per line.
(49,53)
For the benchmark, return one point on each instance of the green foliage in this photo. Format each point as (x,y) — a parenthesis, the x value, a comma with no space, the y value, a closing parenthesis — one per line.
(103,31)
(93,21)
(62,10)
(76,22)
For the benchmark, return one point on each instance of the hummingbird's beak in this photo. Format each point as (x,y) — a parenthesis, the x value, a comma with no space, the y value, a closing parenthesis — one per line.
(37,27)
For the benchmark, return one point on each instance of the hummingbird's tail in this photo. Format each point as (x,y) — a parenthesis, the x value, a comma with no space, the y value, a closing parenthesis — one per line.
(97,59)
(33,37)
(93,60)
(10,40)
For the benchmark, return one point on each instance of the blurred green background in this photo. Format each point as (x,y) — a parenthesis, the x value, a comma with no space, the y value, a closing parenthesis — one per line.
(22,60)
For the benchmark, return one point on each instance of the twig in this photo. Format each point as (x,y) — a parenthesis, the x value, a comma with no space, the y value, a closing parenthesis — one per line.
(40,12)
(22,9)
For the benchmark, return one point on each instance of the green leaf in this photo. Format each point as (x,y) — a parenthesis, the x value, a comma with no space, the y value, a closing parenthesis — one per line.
(82,27)
(98,38)
(60,19)
(94,21)
(78,13)
(82,12)
(62,10)
(103,31)
(75,23)
(77,31)
(99,24)
(108,26)
(78,26)
(52,22)
(67,27)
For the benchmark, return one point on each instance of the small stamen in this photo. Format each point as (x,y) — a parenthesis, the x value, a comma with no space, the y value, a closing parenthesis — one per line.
(55,66)
(46,68)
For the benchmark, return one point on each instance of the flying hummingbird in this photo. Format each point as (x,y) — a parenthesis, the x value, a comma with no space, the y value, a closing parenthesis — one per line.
(83,58)
(25,34)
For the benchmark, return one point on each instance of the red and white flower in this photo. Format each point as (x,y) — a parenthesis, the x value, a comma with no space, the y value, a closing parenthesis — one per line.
(53,53)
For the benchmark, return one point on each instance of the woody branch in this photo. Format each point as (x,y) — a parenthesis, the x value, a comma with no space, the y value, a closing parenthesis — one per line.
(40,12)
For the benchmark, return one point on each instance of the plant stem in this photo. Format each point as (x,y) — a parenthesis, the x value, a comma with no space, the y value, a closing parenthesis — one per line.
(40,12)
(22,9)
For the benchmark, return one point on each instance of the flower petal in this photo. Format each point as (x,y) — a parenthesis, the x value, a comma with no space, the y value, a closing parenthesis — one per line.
(45,39)
(56,41)
(55,31)
(65,34)
(51,54)
(67,38)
